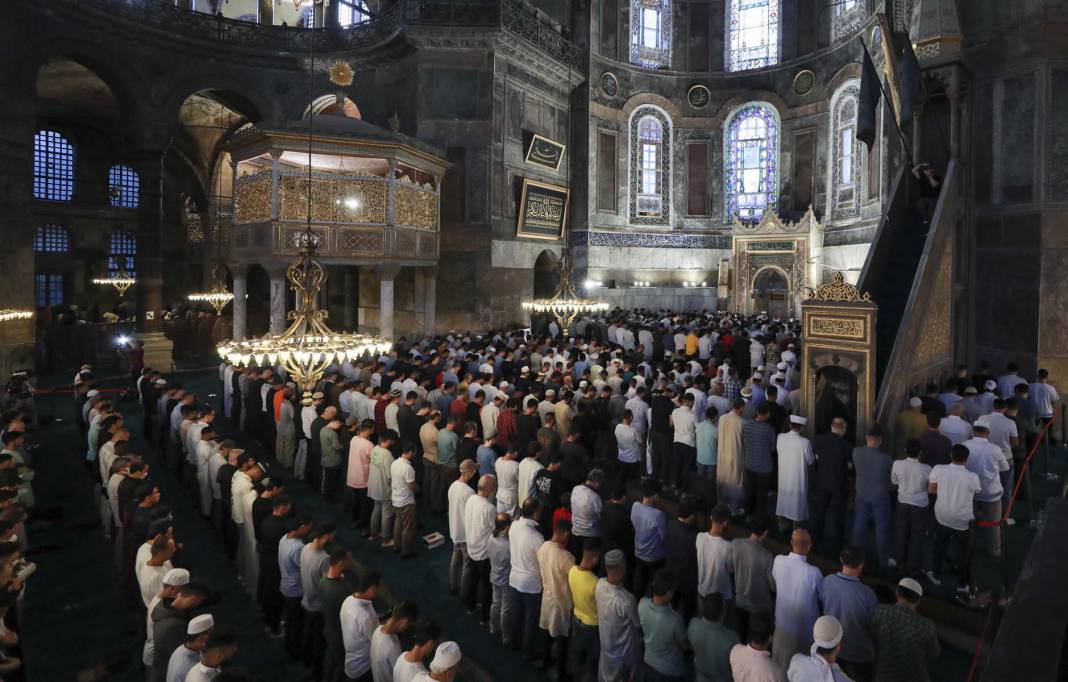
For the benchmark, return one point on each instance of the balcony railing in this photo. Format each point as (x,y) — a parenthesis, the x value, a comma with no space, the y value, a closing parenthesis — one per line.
(164,16)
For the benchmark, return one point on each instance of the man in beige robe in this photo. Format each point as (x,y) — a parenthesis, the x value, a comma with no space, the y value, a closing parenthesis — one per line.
(554,562)
(729,458)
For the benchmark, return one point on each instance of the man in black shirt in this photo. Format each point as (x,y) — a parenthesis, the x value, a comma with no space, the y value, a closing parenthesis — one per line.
(680,553)
(660,431)
(776,413)
(527,424)
(833,453)
(467,448)
(272,530)
(574,460)
(548,488)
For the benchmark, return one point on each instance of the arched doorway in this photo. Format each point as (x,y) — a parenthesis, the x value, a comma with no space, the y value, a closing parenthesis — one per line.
(771,292)
(546,274)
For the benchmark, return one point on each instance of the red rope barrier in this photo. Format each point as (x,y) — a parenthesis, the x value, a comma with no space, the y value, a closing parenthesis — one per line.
(982,640)
(1020,478)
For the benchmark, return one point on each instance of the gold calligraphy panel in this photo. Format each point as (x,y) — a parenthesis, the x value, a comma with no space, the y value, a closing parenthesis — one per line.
(416,208)
(852,328)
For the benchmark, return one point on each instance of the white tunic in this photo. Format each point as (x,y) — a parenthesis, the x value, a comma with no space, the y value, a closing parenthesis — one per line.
(798,589)
(795,457)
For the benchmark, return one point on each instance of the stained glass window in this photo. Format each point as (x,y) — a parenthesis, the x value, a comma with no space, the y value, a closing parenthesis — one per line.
(124,186)
(49,290)
(53,166)
(752,161)
(650,166)
(848,159)
(351,12)
(846,18)
(752,34)
(307,17)
(51,239)
(122,249)
(650,33)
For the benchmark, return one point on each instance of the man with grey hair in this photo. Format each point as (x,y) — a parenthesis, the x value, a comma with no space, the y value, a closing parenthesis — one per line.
(480,515)
(459,491)
(617,615)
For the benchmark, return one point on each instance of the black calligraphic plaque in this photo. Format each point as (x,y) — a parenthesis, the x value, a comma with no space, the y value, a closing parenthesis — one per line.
(544,152)
(542,210)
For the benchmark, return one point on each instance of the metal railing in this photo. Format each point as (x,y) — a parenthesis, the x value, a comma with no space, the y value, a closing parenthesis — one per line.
(507,15)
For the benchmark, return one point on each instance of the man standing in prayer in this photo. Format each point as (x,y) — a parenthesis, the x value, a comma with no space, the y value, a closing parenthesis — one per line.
(795,458)
(554,563)
(617,615)
(906,643)
(799,587)
(820,664)
(729,458)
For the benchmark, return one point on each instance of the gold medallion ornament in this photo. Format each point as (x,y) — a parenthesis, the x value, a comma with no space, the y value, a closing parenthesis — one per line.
(341,74)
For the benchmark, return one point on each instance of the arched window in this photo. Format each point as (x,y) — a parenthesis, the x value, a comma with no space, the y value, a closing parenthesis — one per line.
(650,167)
(846,153)
(752,34)
(352,12)
(124,186)
(51,239)
(650,33)
(752,161)
(53,166)
(122,249)
(846,17)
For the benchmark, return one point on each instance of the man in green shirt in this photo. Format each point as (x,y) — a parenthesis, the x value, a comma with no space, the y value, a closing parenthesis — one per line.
(448,472)
(664,632)
(333,591)
(330,444)
(711,641)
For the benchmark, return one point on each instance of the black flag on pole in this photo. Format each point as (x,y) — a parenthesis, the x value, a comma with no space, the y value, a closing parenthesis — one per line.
(909,81)
(868,102)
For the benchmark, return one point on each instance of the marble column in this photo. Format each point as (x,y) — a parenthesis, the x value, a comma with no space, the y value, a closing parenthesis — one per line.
(148,262)
(386,275)
(430,299)
(278,299)
(348,280)
(240,304)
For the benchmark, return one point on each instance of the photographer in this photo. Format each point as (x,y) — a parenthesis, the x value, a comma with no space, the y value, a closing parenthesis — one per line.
(930,185)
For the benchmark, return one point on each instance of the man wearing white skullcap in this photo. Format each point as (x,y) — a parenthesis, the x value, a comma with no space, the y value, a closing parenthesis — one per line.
(445,666)
(910,423)
(906,643)
(173,580)
(795,460)
(188,655)
(820,665)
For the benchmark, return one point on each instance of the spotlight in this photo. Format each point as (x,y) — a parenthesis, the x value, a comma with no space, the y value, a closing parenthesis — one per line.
(122,340)
(352,203)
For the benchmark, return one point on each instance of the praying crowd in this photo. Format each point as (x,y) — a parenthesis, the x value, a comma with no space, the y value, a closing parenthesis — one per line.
(608,496)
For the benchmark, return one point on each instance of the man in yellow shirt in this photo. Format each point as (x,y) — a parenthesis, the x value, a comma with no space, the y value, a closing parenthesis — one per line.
(691,344)
(585,643)
(910,424)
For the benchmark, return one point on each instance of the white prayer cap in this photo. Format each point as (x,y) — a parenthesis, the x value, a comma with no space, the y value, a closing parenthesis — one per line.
(525,369)
(911,585)
(318,395)
(915,402)
(161,382)
(827,632)
(585,346)
(92,393)
(504,385)
(747,392)
(176,577)
(782,365)
(200,624)
(446,657)
(757,376)
(790,346)
(85,368)
(798,419)
(491,349)
(550,391)
(760,368)
(990,385)
(971,390)
(583,384)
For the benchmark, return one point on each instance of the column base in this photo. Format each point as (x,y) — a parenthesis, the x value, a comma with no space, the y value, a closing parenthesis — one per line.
(159,351)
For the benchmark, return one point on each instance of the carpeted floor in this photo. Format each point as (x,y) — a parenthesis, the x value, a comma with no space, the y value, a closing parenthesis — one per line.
(75,617)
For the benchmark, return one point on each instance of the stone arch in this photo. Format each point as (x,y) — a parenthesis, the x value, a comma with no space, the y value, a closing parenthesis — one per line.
(644,99)
(231,92)
(126,85)
(771,291)
(545,274)
(326,105)
(732,104)
(841,77)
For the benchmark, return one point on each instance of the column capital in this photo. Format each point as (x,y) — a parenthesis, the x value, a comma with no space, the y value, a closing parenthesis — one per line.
(238,270)
(387,271)
(276,270)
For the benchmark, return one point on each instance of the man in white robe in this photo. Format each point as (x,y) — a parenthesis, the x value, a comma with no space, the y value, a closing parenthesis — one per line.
(795,458)
(798,590)
(729,458)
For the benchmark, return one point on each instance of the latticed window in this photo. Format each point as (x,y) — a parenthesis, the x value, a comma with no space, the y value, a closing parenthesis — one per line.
(307,17)
(752,34)
(752,161)
(650,39)
(53,166)
(847,167)
(650,166)
(846,17)
(49,290)
(51,239)
(122,248)
(350,13)
(124,186)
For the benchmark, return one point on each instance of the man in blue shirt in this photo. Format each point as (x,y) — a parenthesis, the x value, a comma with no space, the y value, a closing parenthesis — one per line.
(289,548)
(853,603)
(758,456)
(650,527)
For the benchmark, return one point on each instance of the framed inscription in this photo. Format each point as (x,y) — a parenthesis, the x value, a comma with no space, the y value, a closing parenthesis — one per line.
(542,210)
(544,152)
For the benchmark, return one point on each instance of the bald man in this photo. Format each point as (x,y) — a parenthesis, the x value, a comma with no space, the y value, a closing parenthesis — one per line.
(798,586)
(480,514)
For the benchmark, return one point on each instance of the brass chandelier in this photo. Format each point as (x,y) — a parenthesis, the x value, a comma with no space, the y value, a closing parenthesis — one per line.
(218,297)
(120,279)
(9,314)
(308,346)
(565,305)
